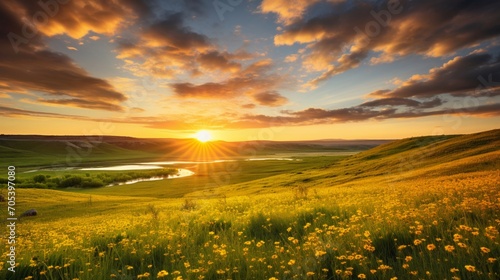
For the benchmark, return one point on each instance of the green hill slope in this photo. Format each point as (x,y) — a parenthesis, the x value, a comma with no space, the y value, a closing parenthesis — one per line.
(405,159)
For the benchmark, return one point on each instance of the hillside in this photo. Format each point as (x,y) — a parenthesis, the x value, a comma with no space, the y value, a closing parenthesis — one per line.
(424,207)
(417,157)
(37,150)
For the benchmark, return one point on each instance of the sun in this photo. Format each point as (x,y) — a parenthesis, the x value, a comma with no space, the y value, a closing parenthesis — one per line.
(203,136)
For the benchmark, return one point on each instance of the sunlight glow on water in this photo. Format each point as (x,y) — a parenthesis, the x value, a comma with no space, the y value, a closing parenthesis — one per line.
(123,168)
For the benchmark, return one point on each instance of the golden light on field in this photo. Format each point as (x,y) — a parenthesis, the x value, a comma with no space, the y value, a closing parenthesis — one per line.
(203,136)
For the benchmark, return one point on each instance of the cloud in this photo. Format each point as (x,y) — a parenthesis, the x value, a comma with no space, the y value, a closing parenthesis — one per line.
(35,68)
(165,49)
(14,112)
(82,103)
(173,36)
(206,90)
(394,101)
(77,18)
(215,60)
(287,12)
(254,81)
(248,106)
(94,37)
(72,48)
(270,98)
(291,58)
(477,74)
(313,116)
(346,34)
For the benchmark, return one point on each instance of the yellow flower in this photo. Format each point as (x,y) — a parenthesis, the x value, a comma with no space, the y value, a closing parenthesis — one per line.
(417,242)
(453,270)
(369,247)
(384,267)
(431,247)
(362,276)
(320,253)
(470,268)
(449,248)
(492,260)
(162,274)
(408,258)
(310,273)
(485,250)
(291,262)
(401,247)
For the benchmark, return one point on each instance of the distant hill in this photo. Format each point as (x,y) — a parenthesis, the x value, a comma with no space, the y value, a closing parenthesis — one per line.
(37,150)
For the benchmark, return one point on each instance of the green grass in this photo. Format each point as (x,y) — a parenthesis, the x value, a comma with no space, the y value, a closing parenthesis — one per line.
(413,209)
(210,177)
(65,153)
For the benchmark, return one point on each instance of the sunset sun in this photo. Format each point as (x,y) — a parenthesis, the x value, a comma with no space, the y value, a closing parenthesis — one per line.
(203,136)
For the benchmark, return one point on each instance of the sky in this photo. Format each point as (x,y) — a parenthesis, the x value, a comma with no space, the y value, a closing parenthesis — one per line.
(249,70)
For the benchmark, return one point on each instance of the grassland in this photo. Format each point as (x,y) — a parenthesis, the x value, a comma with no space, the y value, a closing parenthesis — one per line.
(420,208)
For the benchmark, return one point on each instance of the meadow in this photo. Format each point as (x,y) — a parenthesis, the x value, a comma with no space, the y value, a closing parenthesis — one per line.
(419,208)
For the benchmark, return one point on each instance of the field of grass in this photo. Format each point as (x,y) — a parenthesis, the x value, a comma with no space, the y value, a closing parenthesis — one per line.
(421,208)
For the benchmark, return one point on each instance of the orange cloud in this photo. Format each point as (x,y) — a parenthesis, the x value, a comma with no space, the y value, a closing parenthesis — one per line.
(77,18)
(391,29)
(34,68)
(287,11)
(254,81)
(270,98)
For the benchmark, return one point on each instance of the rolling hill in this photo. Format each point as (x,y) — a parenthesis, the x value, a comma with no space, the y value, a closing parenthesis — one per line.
(37,150)
(418,206)
(406,159)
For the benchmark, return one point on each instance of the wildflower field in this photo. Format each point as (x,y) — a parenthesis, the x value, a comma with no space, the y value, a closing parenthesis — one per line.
(423,208)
